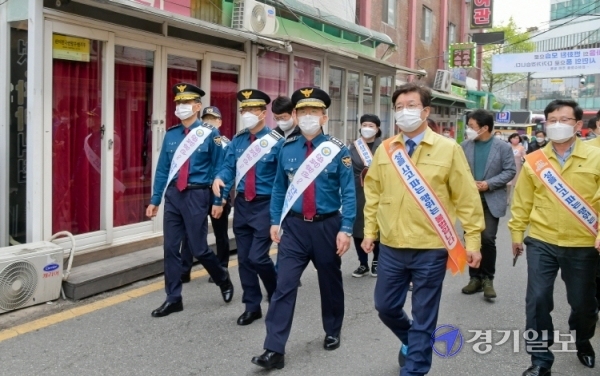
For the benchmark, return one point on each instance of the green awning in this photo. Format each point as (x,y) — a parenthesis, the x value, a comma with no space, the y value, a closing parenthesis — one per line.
(300,9)
(449,100)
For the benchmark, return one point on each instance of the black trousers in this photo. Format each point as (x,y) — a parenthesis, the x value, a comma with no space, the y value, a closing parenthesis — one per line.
(578,267)
(487,268)
(363,257)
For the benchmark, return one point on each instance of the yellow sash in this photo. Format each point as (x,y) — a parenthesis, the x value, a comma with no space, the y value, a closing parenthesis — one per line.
(429,204)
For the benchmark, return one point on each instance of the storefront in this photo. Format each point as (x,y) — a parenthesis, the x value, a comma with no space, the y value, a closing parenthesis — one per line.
(90,101)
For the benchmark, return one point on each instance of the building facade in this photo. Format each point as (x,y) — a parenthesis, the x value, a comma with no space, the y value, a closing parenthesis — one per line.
(87,97)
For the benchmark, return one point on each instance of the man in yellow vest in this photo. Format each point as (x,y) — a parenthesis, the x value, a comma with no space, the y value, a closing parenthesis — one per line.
(557,197)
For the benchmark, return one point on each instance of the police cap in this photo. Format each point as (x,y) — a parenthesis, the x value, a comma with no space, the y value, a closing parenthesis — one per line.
(311,97)
(185,92)
(253,98)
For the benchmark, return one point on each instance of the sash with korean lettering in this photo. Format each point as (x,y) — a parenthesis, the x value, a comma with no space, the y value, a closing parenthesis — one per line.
(96,163)
(186,148)
(364,152)
(564,193)
(429,204)
(307,173)
(258,149)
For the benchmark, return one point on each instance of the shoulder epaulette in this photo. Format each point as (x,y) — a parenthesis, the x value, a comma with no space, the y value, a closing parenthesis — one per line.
(225,139)
(209,126)
(245,130)
(291,139)
(337,141)
(175,127)
(276,135)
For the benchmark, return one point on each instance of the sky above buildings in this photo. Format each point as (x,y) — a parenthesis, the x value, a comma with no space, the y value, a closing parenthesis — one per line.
(526,13)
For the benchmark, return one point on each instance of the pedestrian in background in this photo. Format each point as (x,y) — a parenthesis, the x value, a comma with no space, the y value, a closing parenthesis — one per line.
(415,223)
(518,153)
(538,143)
(362,151)
(557,199)
(493,166)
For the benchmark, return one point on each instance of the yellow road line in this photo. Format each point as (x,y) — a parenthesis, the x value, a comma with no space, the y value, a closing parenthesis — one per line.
(95,306)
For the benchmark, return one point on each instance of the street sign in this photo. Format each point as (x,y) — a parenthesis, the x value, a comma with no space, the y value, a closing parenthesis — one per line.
(571,62)
(503,117)
(481,14)
(492,37)
(462,55)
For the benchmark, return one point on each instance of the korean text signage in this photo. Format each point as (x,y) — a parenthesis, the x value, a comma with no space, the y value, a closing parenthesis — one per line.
(481,14)
(571,61)
(462,55)
(70,48)
(181,7)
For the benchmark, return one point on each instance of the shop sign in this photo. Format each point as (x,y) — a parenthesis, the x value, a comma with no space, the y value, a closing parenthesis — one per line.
(481,14)
(462,55)
(70,48)
(460,91)
(181,7)
(571,61)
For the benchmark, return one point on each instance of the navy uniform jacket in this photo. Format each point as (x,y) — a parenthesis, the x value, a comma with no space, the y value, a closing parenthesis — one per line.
(265,168)
(334,186)
(204,162)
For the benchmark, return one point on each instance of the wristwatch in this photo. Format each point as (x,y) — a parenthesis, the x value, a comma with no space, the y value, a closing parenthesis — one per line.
(348,233)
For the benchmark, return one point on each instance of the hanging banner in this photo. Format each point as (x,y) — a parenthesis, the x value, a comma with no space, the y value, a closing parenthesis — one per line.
(481,14)
(571,62)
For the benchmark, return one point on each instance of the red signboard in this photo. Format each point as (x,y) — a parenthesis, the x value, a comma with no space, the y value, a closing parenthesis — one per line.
(182,7)
(481,14)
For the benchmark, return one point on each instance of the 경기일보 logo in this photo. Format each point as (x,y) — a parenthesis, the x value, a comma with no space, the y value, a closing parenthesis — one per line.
(447,341)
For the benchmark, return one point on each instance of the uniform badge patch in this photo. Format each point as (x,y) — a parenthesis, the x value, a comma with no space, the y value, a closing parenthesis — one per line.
(217,140)
(199,132)
(326,151)
(347,161)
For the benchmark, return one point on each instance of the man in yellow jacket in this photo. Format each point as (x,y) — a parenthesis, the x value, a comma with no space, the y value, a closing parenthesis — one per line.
(557,197)
(411,248)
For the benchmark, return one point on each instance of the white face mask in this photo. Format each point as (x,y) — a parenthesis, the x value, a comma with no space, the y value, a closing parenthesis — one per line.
(249,120)
(408,120)
(184,111)
(368,132)
(472,134)
(498,136)
(446,135)
(559,132)
(309,124)
(540,140)
(285,125)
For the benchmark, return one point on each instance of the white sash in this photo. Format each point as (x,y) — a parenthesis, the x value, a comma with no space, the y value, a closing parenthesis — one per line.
(187,147)
(307,173)
(96,162)
(364,152)
(258,149)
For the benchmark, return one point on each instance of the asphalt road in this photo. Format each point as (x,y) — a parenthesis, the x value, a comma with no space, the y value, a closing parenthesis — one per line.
(123,339)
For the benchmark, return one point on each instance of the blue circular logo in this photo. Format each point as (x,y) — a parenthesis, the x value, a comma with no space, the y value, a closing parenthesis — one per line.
(447,341)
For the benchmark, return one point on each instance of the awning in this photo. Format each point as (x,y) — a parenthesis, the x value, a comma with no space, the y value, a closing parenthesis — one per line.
(448,100)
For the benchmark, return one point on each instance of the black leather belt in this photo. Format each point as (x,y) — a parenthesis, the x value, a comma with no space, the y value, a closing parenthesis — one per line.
(316,218)
(257,198)
(192,186)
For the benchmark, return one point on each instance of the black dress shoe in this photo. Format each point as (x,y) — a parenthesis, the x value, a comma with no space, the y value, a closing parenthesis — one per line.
(586,354)
(248,318)
(227,290)
(210,280)
(270,359)
(537,371)
(186,277)
(331,342)
(167,308)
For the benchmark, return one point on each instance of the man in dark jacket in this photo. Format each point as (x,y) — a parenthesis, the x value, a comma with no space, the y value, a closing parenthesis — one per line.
(539,142)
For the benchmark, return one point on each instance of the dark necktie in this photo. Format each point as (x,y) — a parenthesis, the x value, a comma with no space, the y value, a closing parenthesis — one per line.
(411,147)
(250,184)
(184,171)
(309,207)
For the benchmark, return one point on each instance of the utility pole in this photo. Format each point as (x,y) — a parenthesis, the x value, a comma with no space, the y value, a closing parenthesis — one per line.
(528,91)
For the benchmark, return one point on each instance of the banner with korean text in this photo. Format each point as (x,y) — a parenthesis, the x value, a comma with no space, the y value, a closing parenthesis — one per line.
(571,62)
(481,14)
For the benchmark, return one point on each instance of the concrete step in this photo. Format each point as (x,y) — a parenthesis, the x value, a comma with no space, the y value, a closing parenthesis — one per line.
(110,273)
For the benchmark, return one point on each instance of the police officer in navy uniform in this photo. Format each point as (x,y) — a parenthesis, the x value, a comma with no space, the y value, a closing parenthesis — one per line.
(313,230)
(188,198)
(251,223)
(212,115)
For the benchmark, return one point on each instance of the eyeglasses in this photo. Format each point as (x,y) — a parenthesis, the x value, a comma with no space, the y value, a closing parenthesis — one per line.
(561,120)
(411,106)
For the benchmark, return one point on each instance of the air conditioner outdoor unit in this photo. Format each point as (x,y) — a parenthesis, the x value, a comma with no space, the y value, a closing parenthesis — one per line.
(253,16)
(443,81)
(30,274)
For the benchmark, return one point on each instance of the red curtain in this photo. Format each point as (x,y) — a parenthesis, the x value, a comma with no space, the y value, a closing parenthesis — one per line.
(175,76)
(76,141)
(273,78)
(132,142)
(224,88)
(307,72)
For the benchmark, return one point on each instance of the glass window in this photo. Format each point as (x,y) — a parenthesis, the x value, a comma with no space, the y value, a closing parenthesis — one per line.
(224,85)
(77,141)
(385,105)
(179,69)
(389,12)
(307,72)
(273,77)
(426,25)
(134,72)
(451,33)
(352,116)
(368,97)
(337,83)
